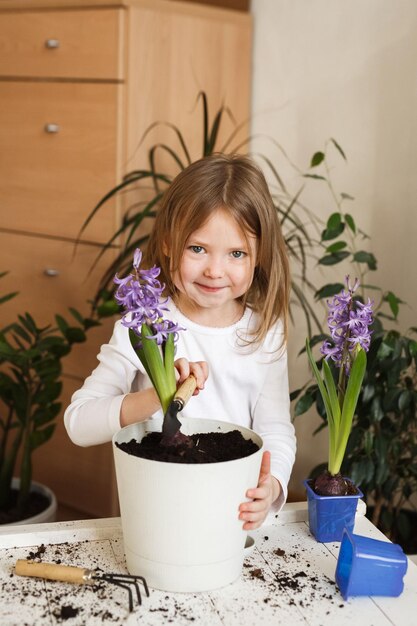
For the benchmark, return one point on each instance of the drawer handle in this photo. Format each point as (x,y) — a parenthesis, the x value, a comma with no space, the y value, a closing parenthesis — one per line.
(49,271)
(52,43)
(52,128)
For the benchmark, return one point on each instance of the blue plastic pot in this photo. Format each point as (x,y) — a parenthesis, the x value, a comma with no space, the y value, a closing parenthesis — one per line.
(369,567)
(328,516)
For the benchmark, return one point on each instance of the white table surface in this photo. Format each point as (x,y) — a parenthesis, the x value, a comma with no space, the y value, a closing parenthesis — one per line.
(288,578)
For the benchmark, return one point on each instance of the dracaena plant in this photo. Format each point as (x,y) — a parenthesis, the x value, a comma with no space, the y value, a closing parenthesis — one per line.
(167,158)
(152,336)
(349,320)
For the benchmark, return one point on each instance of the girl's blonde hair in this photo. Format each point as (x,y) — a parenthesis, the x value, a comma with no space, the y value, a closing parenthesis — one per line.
(235,184)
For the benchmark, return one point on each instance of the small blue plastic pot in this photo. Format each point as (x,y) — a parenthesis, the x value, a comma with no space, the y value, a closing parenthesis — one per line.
(328,516)
(369,567)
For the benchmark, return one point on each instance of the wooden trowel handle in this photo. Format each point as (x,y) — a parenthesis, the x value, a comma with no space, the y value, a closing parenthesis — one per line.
(51,571)
(186,390)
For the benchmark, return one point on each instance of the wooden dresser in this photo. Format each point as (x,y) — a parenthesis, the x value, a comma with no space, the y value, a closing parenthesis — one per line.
(80,81)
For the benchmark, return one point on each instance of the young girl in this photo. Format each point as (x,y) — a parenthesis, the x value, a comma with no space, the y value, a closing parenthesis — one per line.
(218,242)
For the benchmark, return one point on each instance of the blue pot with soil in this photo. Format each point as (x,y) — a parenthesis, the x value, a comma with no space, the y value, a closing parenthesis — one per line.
(328,516)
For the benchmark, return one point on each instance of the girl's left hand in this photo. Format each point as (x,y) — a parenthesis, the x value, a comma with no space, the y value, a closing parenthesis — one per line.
(254,513)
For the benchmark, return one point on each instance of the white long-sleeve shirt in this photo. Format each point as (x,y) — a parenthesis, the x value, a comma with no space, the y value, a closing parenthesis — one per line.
(245,386)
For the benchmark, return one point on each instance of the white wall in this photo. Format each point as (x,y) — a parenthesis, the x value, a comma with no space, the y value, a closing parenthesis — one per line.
(348,70)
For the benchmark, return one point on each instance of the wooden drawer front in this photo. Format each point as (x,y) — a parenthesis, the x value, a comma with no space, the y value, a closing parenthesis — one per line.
(50,181)
(49,279)
(88,44)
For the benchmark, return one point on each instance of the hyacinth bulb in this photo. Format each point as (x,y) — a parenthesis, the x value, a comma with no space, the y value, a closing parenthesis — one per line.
(327,484)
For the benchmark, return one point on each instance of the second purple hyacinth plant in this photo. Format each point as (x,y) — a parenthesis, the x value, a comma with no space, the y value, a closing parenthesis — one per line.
(152,337)
(349,320)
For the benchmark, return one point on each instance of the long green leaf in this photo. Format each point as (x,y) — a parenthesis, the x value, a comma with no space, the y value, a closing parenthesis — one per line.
(156,368)
(353,389)
(334,423)
(176,131)
(215,130)
(169,355)
(8,296)
(203,97)
(132,178)
(320,383)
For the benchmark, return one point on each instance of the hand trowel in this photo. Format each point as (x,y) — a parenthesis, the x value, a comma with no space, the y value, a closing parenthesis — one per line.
(171,425)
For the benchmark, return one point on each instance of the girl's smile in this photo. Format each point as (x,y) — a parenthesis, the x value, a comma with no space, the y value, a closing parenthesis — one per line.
(216,270)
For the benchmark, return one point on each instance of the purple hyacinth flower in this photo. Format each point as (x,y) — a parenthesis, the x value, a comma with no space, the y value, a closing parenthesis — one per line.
(141,296)
(349,321)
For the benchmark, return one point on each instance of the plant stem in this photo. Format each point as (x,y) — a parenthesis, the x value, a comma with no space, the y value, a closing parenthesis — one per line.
(7,470)
(26,463)
(6,432)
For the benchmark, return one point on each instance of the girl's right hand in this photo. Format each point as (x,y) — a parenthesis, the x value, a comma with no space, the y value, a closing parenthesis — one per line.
(138,406)
(199,369)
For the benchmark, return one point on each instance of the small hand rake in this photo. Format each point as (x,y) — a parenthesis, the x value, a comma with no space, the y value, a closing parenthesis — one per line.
(81,576)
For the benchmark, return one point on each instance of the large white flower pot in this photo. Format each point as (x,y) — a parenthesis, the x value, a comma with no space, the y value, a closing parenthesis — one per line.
(180,521)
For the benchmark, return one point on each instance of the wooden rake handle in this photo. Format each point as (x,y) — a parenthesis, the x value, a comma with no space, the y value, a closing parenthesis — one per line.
(51,571)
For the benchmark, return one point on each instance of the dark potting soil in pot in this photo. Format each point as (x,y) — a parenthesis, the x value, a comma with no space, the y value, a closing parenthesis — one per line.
(207,448)
(37,503)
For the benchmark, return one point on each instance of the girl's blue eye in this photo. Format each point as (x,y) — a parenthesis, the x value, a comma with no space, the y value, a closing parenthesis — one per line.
(197,249)
(238,254)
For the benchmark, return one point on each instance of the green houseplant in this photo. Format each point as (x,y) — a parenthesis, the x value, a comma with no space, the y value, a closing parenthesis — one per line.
(381,452)
(30,387)
(150,183)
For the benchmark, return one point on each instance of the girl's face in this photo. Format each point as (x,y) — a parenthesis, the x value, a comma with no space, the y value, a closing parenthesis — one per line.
(216,268)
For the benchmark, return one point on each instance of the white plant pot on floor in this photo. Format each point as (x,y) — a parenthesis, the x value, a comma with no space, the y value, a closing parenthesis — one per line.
(180,521)
(48,514)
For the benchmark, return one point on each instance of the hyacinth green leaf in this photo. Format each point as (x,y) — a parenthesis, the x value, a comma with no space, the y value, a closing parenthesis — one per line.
(327,405)
(332,391)
(320,382)
(134,339)
(169,353)
(155,367)
(334,424)
(353,390)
